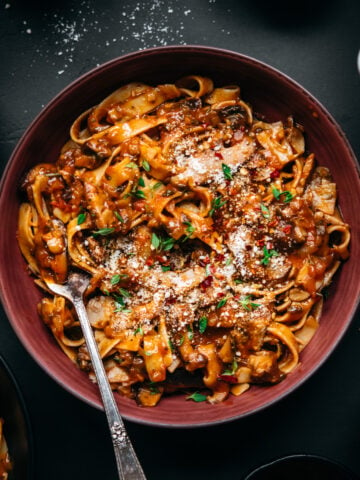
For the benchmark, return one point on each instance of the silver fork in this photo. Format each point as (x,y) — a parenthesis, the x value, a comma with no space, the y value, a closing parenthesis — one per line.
(128,465)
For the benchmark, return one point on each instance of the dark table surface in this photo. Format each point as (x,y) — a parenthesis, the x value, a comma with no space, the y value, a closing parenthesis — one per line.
(46,45)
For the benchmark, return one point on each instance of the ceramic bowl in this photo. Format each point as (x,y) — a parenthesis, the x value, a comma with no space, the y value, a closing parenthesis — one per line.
(16,425)
(269,92)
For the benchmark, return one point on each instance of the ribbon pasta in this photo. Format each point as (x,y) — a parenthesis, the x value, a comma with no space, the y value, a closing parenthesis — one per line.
(209,235)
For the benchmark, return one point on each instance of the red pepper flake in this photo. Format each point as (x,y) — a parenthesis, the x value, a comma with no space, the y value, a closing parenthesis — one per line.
(149,262)
(287,229)
(220,257)
(219,155)
(204,261)
(228,378)
(273,223)
(221,294)
(261,242)
(248,247)
(275,174)
(205,125)
(206,283)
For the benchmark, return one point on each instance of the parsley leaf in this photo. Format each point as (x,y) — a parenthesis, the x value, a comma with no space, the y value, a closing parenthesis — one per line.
(141,182)
(277,194)
(146,165)
(248,304)
(119,217)
(139,194)
(197,397)
(203,324)
(221,303)
(216,204)
(104,231)
(267,255)
(265,211)
(227,171)
(115,279)
(157,185)
(81,218)
(190,229)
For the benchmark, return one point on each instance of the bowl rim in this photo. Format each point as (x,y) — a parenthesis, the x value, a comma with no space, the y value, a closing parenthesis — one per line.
(25,414)
(136,55)
(301,456)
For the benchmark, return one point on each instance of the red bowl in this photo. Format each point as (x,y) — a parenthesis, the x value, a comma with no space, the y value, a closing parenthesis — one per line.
(271,93)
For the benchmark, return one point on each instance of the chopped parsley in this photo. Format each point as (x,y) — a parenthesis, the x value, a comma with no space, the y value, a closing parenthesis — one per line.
(131,165)
(146,165)
(81,218)
(115,279)
(233,369)
(119,217)
(139,193)
(156,185)
(278,194)
(203,322)
(160,243)
(221,303)
(165,268)
(227,171)
(104,231)
(197,397)
(267,255)
(215,205)
(190,229)
(141,182)
(139,331)
(264,210)
(247,303)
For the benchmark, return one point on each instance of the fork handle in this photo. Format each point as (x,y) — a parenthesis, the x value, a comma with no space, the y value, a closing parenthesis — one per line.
(127,463)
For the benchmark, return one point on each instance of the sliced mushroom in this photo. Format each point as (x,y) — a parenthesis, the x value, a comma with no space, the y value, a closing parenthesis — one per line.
(298,295)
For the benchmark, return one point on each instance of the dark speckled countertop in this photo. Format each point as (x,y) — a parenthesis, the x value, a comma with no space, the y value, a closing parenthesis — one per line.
(46,45)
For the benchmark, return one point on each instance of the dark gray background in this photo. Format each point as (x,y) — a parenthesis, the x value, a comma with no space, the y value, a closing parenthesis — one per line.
(43,48)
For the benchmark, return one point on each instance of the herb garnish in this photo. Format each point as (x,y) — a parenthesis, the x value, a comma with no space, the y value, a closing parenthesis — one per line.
(267,255)
(190,229)
(164,244)
(81,218)
(141,182)
(104,231)
(216,204)
(227,171)
(234,367)
(146,165)
(221,303)
(248,304)
(131,165)
(277,194)
(119,217)
(139,194)
(197,397)
(265,211)
(115,279)
(157,185)
(203,322)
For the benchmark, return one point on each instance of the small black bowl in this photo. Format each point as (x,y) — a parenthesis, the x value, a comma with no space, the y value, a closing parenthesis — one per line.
(302,467)
(17,428)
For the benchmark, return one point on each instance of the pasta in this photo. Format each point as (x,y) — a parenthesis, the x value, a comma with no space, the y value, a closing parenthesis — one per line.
(5,463)
(209,235)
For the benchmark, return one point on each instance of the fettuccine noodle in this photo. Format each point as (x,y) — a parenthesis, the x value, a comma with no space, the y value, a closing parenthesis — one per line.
(209,234)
